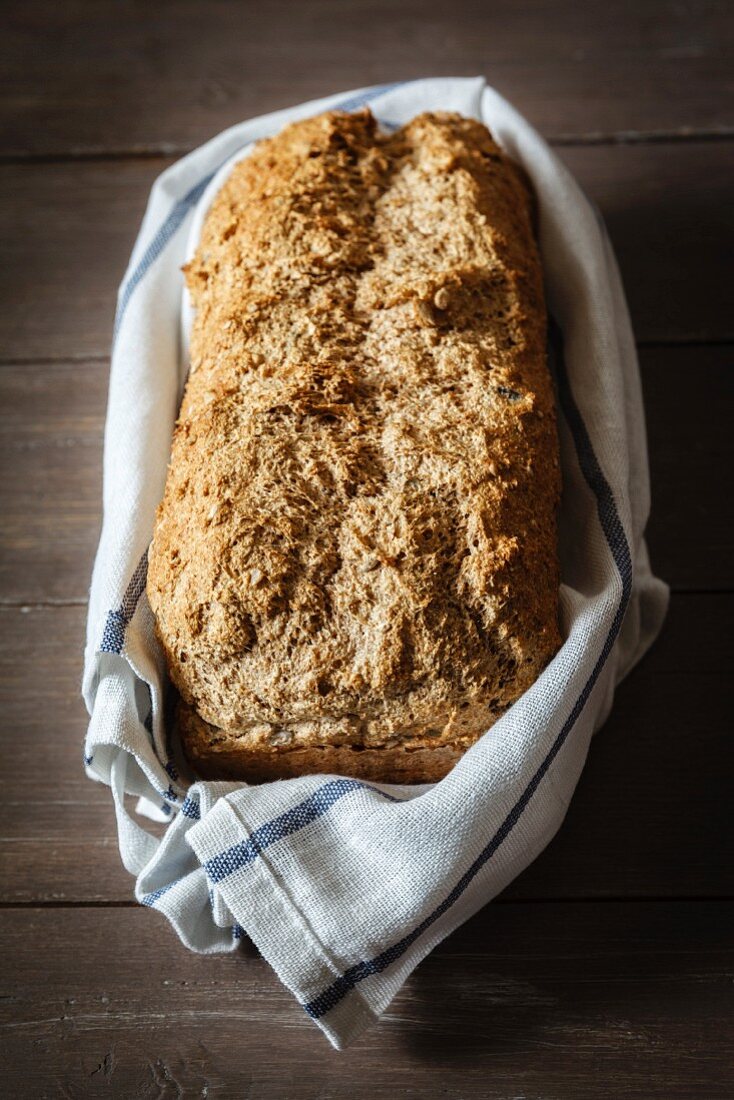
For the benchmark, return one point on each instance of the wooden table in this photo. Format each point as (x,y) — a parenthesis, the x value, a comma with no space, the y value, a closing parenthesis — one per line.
(604,971)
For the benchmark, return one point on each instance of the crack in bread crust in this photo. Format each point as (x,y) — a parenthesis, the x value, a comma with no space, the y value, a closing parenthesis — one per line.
(356,549)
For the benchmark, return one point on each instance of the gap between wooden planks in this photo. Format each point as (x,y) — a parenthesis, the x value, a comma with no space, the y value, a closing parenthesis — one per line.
(90,79)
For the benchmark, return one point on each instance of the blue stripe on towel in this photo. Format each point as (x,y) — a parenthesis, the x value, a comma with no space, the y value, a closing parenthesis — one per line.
(363,98)
(190,808)
(317,804)
(161,238)
(113,636)
(151,898)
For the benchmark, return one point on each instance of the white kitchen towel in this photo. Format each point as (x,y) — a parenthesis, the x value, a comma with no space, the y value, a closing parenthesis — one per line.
(345,886)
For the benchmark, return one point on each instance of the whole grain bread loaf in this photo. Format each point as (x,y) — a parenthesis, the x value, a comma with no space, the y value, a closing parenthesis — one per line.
(354,566)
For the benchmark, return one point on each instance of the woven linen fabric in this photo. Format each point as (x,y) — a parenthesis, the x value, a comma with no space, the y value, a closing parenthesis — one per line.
(345,886)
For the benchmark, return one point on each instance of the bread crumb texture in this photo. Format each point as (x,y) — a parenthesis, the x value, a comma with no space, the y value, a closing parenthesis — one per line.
(354,566)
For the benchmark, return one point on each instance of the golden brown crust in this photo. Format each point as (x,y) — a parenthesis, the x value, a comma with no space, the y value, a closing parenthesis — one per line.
(355,557)
(213,756)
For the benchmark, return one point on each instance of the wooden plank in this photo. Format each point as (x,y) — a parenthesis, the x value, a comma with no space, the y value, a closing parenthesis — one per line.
(655,781)
(58,832)
(51,427)
(66,231)
(672,243)
(557,1000)
(51,423)
(66,234)
(689,407)
(650,816)
(84,78)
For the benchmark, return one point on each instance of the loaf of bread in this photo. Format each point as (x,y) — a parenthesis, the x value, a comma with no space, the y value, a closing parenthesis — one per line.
(354,567)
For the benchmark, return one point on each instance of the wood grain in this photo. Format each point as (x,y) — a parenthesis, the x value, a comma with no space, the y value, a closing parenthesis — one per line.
(59,840)
(112,76)
(565,1001)
(66,232)
(637,826)
(671,226)
(51,428)
(51,424)
(689,407)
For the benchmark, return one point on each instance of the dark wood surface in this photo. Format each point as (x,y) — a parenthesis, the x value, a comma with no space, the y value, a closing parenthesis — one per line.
(555,1001)
(164,77)
(606,968)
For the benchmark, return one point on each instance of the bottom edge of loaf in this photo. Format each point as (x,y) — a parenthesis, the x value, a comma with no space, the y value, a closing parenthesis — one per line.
(217,759)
